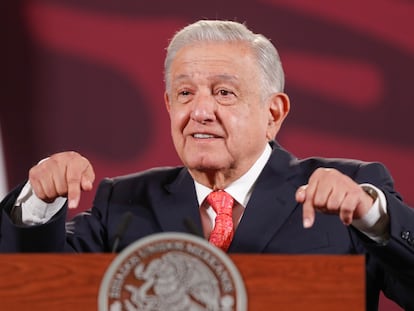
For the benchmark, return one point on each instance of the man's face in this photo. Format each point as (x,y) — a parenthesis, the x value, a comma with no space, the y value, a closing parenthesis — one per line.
(218,120)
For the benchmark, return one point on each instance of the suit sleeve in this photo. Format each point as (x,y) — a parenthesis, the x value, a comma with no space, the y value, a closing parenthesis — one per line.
(85,233)
(396,256)
(88,231)
(49,237)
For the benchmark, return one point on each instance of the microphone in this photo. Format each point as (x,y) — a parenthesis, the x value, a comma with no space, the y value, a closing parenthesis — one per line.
(123,225)
(192,227)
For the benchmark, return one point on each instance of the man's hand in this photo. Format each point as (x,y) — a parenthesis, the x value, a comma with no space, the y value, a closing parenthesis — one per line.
(62,174)
(329,191)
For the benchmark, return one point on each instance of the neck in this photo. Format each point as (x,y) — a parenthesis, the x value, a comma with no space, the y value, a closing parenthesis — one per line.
(213,179)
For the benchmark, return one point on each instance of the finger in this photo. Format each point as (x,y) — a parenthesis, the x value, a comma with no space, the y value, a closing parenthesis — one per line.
(334,201)
(61,186)
(35,183)
(308,214)
(321,196)
(303,195)
(308,205)
(347,209)
(38,189)
(79,176)
(54,181)
(73,180)
(88,177)
(74,193)
(42,183)
(49,188)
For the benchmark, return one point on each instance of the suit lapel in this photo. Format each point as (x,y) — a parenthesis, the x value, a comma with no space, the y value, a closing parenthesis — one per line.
(271,203)
(177,203)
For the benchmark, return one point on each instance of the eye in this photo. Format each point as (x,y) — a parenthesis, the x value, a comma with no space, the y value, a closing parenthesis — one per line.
(184,93)
(223,92)
(224,96)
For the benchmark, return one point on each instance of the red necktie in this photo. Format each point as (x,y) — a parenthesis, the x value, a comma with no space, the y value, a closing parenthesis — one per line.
(223,231)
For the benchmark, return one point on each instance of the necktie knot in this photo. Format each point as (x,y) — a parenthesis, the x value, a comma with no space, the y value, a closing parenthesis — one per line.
(221,202)
(223,230)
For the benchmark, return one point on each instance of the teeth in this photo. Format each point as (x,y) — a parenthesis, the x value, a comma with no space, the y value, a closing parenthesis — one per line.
(203,136)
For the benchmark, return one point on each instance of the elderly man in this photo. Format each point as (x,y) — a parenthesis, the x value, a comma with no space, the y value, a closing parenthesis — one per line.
(224,95)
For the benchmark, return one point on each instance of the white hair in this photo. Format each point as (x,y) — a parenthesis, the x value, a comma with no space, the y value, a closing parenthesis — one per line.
(273,78)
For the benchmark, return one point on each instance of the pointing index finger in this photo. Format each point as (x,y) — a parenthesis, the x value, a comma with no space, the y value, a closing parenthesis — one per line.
(79,176)
(308,213)
(74,194)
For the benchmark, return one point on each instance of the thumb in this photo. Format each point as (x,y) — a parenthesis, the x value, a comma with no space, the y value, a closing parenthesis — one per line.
(87,181)
(301,194)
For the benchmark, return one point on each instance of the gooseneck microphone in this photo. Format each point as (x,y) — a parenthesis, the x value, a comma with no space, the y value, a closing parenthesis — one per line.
(123,225)
(192,228)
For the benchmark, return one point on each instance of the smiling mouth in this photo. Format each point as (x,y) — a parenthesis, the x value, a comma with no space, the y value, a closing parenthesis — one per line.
(203,136)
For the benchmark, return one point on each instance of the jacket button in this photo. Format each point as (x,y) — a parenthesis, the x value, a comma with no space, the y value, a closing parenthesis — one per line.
(405,235)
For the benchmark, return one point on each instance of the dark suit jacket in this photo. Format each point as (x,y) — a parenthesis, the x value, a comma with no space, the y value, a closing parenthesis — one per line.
(160,199)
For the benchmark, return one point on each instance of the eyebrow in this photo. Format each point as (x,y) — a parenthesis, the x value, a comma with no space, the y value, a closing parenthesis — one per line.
(227,77)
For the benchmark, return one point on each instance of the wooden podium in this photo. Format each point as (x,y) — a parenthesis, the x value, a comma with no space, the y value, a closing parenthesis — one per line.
(273,282)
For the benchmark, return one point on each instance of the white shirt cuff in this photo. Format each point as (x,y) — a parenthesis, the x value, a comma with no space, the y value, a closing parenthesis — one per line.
(34,210)
(375,224)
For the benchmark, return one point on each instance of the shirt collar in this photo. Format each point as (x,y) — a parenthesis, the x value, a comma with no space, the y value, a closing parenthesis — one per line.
(241,189)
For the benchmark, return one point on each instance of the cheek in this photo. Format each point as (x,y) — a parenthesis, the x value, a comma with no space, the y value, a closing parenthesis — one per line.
(178,119)
(252,128)
(244,124)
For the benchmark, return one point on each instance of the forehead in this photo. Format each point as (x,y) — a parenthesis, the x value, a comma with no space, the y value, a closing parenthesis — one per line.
(219,59)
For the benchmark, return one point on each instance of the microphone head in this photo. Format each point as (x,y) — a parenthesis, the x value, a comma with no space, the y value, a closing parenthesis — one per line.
(120,231)
(123,225)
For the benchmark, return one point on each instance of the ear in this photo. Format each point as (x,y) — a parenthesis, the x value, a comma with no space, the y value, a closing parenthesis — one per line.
(167,102)
(279,106)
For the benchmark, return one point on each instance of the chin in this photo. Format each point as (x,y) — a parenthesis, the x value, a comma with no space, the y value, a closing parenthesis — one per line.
(205,165)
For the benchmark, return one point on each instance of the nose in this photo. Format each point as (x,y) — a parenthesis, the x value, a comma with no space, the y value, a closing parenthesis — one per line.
(203,109)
